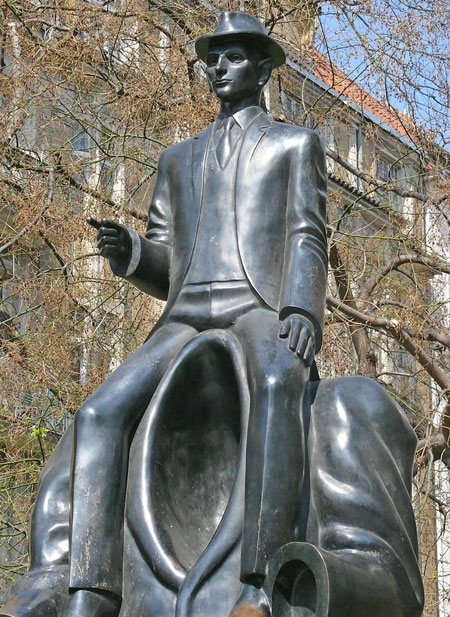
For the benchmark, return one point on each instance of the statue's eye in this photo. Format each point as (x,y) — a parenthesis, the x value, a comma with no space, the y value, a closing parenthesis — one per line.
(211,60)
(236,58)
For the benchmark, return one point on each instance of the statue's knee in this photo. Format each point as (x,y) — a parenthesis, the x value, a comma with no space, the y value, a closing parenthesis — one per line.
(270,380)
(93,414)
(283,376)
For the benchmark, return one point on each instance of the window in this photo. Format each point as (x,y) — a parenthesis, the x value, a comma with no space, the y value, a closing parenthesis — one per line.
(355,154)
(326,131)
(382,169)
(291,108)
(404,371)
(80,140)
(391,173)
(387,171)
(359,146)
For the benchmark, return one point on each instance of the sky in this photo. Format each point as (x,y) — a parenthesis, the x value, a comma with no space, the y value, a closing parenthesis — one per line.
(399,52)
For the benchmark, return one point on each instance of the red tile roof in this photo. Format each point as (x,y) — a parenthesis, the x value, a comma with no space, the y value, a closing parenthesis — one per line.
(335,78)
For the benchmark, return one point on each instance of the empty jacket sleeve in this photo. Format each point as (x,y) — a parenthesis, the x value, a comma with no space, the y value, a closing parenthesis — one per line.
(306,259)
(148,267)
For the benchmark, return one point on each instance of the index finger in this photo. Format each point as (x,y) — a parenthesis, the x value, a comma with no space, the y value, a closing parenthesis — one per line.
(93,222)
(110,224)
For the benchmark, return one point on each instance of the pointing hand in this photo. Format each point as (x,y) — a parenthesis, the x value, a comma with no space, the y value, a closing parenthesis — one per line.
(113,239)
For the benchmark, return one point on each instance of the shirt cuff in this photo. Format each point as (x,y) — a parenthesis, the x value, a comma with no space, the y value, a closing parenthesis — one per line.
(125,269)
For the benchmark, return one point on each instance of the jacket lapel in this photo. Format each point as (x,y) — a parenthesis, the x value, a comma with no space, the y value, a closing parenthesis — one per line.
(253,135)
(244,204)
(199,149)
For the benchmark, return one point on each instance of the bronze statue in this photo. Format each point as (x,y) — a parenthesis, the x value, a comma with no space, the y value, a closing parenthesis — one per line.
(313,493)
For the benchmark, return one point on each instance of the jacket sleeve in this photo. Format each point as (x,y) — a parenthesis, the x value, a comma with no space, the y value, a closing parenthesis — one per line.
(148,267)
(305,265)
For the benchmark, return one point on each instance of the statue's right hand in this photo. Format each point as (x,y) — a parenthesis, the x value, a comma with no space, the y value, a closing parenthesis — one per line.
(113,239)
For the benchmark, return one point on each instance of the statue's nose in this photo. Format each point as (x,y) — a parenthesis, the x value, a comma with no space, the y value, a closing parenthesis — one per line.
(221,67)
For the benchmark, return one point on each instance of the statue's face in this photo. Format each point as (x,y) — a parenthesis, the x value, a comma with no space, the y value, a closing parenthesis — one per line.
(232,69)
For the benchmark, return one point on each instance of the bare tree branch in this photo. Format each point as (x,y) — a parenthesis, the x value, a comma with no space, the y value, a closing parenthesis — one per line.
(401,334)
(372,282)
(366,357)
(385,186)
(23,231)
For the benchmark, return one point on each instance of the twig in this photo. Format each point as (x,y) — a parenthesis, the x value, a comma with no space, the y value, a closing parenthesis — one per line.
(403,336)
(369,286)
(23,231)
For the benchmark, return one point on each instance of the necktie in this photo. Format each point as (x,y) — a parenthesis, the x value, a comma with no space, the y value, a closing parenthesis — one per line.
(224,147)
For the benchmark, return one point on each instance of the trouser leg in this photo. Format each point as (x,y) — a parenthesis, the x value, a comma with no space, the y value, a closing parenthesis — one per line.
(49,527)
(361,451)
(275,443)
(104,426)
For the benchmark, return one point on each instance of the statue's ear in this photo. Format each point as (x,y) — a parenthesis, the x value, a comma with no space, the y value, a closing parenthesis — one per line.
(265,69)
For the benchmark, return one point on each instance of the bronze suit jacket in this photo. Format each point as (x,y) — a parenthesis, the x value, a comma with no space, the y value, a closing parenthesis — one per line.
(280,189)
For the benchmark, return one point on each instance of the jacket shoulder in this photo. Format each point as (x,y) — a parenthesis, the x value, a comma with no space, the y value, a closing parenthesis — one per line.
(182,147)
(296,136)
(175,151)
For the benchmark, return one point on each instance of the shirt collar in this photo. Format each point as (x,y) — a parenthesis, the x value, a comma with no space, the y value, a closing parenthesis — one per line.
(244,116)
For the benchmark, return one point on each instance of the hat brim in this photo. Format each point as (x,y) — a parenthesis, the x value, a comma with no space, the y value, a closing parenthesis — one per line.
(270,46)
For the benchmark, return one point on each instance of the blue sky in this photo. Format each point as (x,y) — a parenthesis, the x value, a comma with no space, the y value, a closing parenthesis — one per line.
(397,51)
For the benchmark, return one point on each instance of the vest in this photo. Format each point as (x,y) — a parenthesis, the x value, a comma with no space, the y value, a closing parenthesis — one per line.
(216,255)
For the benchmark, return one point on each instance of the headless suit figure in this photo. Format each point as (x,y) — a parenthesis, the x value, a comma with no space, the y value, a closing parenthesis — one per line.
(237,224)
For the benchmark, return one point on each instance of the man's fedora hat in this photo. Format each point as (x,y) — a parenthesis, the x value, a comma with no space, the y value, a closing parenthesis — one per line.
(233,24)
